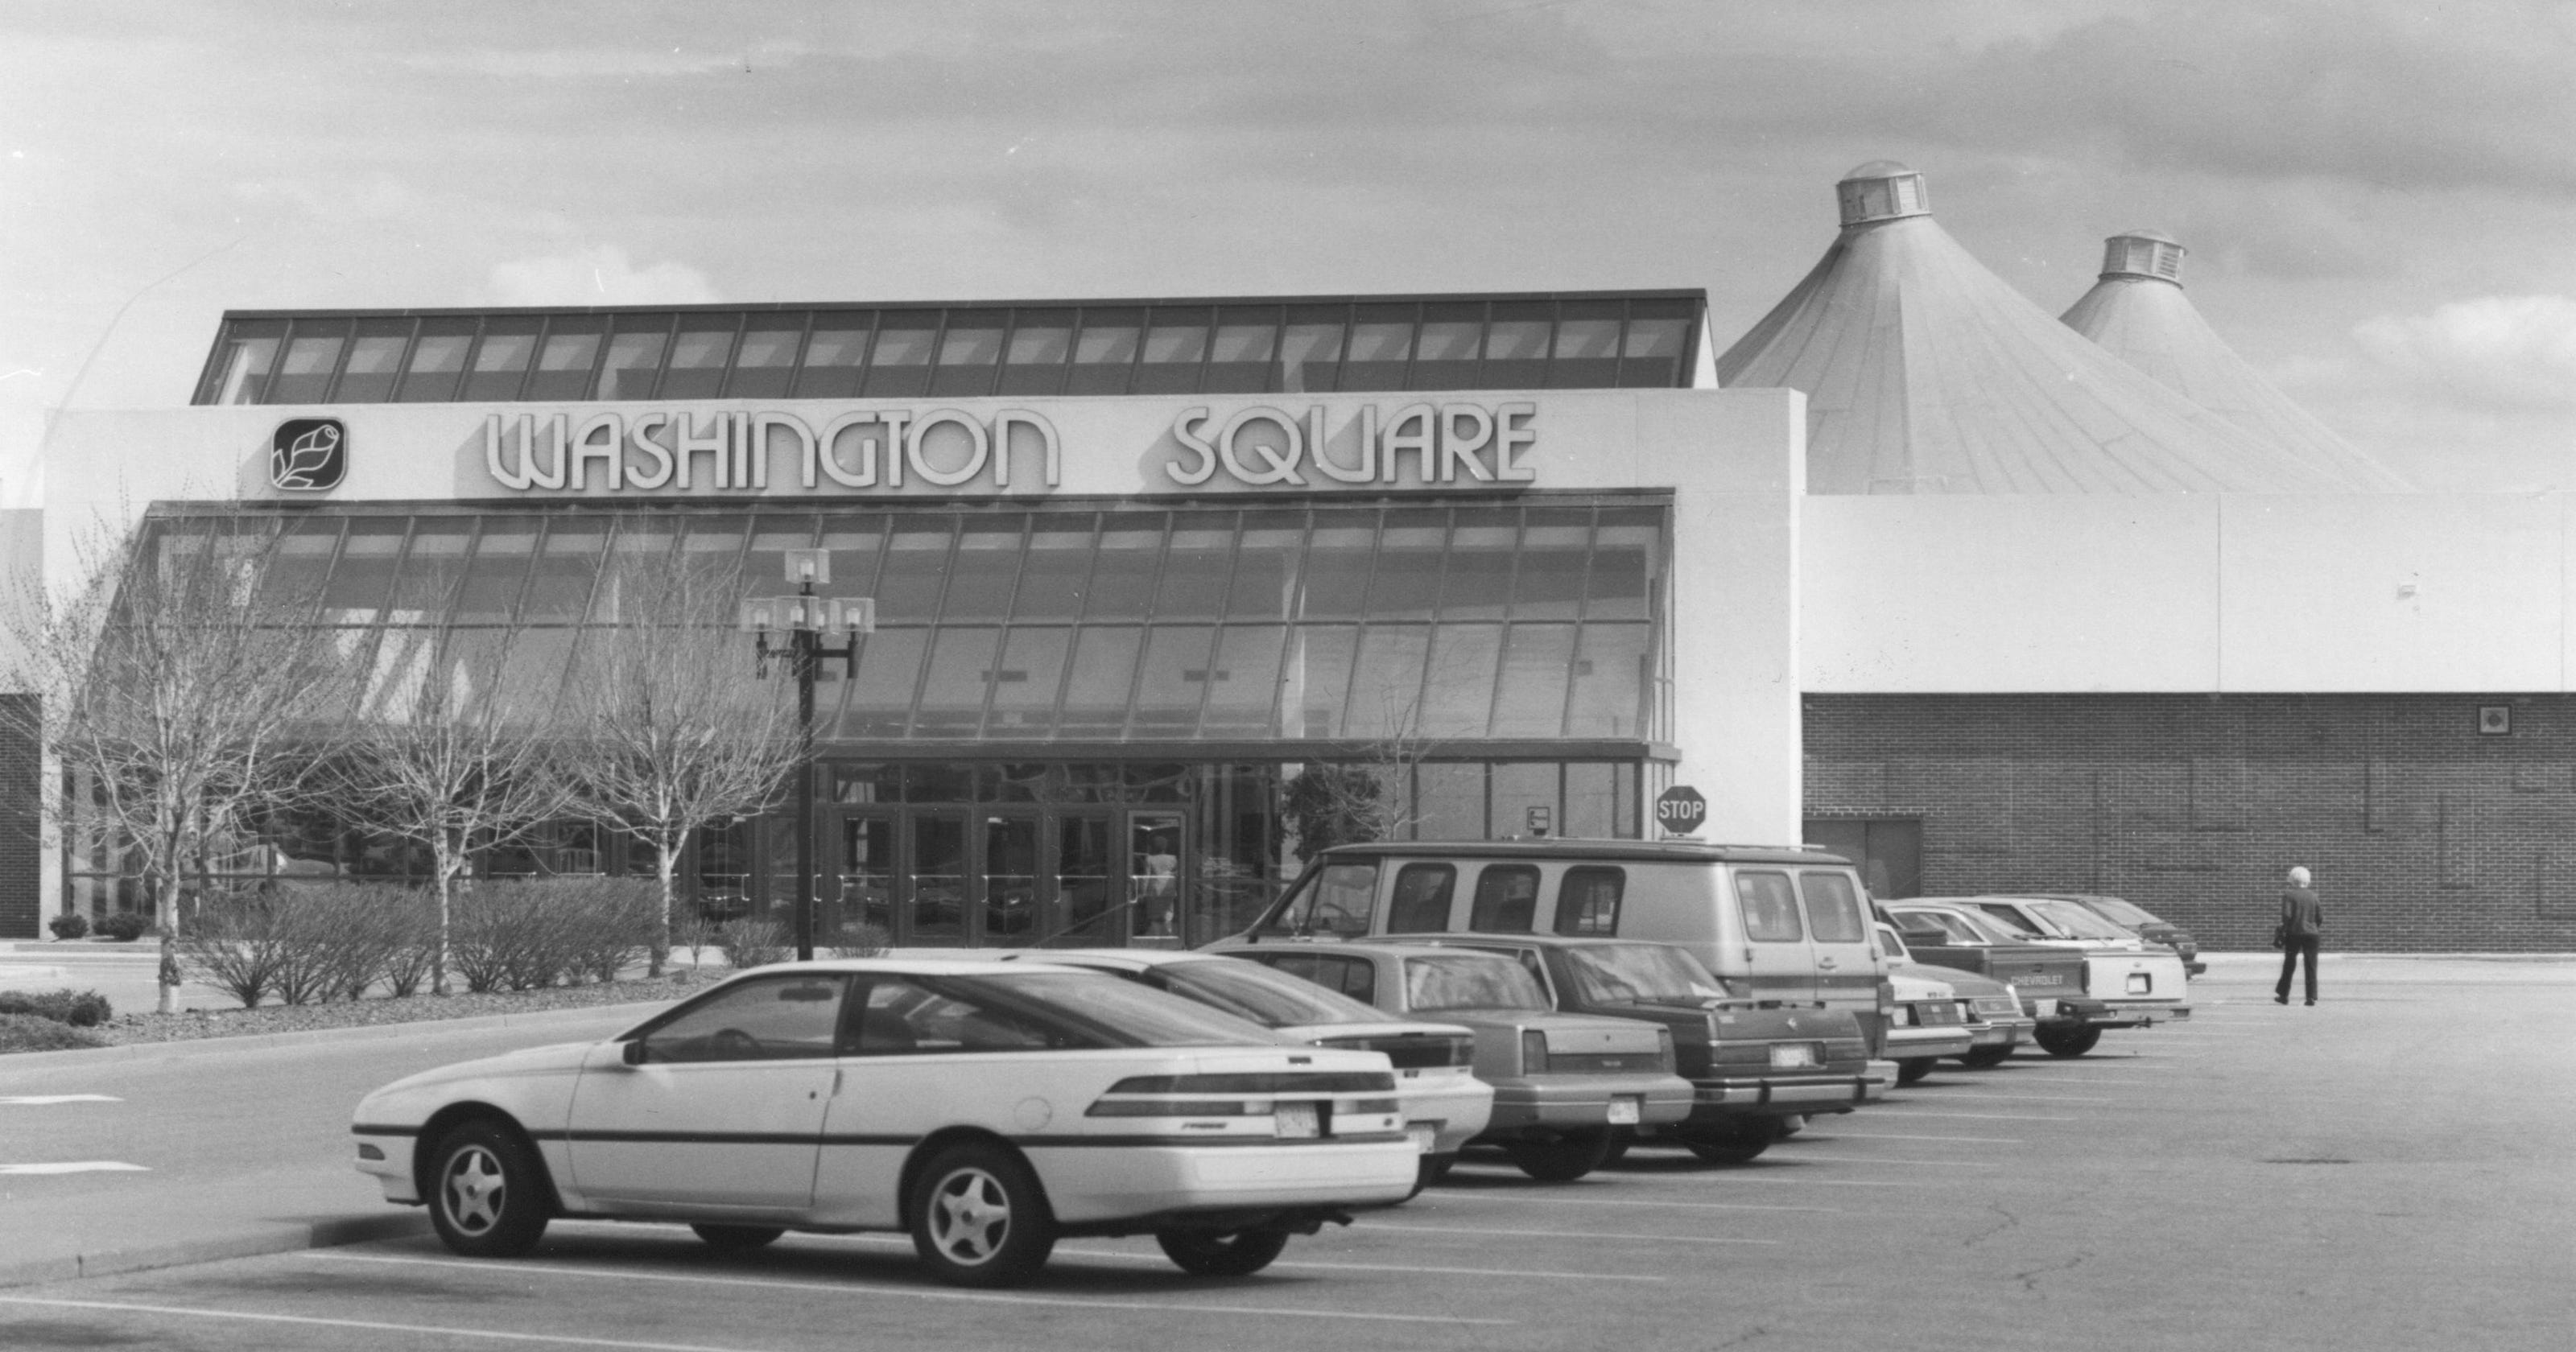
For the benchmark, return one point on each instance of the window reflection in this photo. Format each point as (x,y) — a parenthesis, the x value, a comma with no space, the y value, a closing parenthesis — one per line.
(1105,352)
(766,364)
(900,367)
(699,356)
(1040,344)
(833,357)
(502,358)
(1174,349)
(968,352)
(304,377)
(564,363)
(374,362)
(634,358)
(437,361)
(242,372)
(1381,347)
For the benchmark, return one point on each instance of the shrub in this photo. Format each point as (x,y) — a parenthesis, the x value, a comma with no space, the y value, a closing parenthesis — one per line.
(69,925)
(752,943)
(530,934)
(859,939)
(125,926)
(77,1009)
(28,1033)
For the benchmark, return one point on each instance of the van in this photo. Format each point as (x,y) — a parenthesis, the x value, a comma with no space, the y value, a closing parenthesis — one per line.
(1780,923)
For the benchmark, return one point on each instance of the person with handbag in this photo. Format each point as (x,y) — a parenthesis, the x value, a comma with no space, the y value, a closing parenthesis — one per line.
(2303,922)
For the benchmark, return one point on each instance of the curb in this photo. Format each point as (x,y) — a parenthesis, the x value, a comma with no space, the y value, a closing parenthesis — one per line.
(145,1051)
(270,1237)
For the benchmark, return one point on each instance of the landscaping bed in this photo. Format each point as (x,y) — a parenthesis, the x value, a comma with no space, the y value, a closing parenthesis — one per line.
(22,1033)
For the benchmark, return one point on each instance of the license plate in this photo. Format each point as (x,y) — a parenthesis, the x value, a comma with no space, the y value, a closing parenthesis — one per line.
(2142,983)
(1624,1111)
(1297,1122)
(1793,1056)
(1424,1136)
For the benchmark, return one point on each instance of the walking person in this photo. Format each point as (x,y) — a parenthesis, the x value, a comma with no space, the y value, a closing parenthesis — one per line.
(2303,921)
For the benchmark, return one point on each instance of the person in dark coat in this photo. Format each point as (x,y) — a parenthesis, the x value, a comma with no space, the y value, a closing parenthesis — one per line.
(2303,922)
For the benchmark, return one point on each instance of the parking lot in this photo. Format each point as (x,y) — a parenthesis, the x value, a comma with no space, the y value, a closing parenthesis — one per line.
(2385,1170)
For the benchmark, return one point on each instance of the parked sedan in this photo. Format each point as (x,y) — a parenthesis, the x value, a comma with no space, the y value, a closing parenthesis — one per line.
(987,1110)
(1444,1104)
(1996,1021)
(2140,921)
(1752,1064)
(1561,1082)
(2137,984)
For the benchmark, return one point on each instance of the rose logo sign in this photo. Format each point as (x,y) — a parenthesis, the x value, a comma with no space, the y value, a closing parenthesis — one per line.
(308,455)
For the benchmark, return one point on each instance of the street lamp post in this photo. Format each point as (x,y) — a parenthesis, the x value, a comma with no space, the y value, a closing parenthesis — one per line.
(812,629)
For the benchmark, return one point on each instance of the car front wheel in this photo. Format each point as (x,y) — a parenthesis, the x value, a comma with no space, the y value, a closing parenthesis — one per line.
(1735,1145)
(1562,1157)
(979,1218)
(1987,1058)
(487,1192)
(2068,1041)
(1236,1255)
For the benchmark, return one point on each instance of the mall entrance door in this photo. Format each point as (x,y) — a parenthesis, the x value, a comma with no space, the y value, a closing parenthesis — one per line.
(1005,876)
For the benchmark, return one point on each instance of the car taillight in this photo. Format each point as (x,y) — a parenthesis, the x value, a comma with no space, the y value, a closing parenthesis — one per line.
(1171,1108)
(1664,1049)
(1886,997)
(1533,1052)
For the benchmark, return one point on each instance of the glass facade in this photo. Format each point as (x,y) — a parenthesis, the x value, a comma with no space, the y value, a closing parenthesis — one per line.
(1291,346)
(1103,703)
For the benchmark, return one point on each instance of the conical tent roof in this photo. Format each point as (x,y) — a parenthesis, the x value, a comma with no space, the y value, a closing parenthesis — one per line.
(2139,313)
(1926,373)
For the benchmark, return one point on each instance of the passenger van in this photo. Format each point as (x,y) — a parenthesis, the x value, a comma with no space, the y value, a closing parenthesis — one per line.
(1779,923)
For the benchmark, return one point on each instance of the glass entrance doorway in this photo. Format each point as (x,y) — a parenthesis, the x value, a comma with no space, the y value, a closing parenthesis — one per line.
(947,877)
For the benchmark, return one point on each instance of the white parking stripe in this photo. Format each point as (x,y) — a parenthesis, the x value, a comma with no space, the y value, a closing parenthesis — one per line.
(1847,1134)
(1135,1254)
(1379,1226)
(369,1325)
(1561,1200)
(523,1267)
(1934,1164)
(1774,1173)
(49,1100)
(1988,1094)
(1989,1117)
(76,1167)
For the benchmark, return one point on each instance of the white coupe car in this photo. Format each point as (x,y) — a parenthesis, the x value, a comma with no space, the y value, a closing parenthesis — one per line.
(986,1109)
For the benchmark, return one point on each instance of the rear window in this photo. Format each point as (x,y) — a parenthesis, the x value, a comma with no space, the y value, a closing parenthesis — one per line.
(1587,900)
(1469,981)
(1833,908)
(2078,921)
(2121,912)
(1354,977)
(1421,903)
(1628,974)
(1770,907)
(1270,998)
(1112,1012)
(1506,899)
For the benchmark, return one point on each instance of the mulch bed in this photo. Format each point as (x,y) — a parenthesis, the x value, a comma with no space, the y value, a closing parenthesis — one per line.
(132,1028)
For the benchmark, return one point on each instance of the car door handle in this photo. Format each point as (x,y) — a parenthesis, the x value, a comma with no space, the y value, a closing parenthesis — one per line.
(1826,963)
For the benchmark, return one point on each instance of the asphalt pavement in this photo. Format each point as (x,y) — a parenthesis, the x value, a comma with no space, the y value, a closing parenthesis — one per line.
(2391,1169)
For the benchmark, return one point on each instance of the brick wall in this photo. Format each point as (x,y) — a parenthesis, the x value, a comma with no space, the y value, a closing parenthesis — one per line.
(2424,835)
(21,860)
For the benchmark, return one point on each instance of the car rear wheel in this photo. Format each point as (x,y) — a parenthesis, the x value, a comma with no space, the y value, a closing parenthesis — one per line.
(1987,1058)
(1431,1169)
(1914,1068)
(1236,1255)
(1732,1145)
(1560,1157)
(737,1238)
(1621,1138)
(979,1218)
(487,1192)
(2068,1041)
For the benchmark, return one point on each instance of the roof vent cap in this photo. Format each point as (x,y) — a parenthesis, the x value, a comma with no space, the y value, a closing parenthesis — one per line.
(2150,254)
(1882,190)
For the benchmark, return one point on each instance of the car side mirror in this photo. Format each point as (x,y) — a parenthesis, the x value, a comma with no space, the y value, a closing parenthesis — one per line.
(632,1051)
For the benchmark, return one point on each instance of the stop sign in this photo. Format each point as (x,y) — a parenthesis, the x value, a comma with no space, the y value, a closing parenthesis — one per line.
(1680,810)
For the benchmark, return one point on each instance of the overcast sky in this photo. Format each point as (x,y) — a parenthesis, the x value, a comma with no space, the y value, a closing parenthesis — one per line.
(2379,198)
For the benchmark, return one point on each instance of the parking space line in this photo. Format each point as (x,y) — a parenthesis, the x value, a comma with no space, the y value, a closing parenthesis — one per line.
(1990,1117)
(1559,1234)
(2037,1098)
(918,1293)
(1559,1200)
(1772,1175)
(1931,1164)
(1846,1134)
(367,1325)
(51,1100)
(1316,1263)
(76,1167)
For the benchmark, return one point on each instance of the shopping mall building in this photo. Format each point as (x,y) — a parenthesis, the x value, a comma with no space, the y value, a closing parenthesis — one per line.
(1914,568)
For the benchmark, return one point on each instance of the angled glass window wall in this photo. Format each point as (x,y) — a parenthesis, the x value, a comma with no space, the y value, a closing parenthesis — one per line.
(1350,622)
(1285,346)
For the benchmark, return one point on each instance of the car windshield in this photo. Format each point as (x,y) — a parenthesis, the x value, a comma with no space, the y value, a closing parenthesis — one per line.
(1336,899)
(2077,921)
(1264,995)
(1995,929)
(1469,981)
(1967,927)
(1634,974)
(2121,912)
(1121,1013)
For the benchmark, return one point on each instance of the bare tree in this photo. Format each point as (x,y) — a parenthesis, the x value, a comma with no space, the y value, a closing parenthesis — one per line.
(455,747)
(182,686)
(672,733)
(1369,797)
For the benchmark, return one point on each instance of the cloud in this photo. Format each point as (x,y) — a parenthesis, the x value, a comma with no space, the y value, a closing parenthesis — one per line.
(600,276)
(2518,351)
